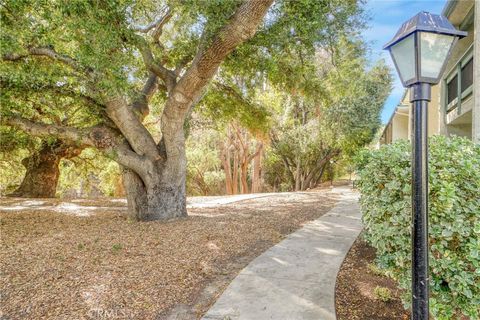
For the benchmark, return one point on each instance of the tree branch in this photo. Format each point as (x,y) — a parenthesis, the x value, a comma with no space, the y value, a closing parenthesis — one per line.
(102,138)
(140,104)
(132,128)
(46,52)
(157,24)
(168,77)
(79,136)
(159,28)
(189,89)
(257,151)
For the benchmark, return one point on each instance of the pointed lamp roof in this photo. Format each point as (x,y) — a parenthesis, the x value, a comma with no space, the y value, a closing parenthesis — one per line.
(425,21)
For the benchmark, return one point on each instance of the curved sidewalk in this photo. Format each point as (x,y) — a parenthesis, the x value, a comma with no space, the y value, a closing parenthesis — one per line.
(295,279)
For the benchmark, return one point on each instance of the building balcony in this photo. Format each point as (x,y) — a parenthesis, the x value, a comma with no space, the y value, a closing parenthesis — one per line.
(458,91)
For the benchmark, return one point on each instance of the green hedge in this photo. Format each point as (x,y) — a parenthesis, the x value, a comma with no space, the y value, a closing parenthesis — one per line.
(454,213)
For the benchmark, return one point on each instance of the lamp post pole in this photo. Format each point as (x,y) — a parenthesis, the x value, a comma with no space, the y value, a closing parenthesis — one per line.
(420,49)
(419,97)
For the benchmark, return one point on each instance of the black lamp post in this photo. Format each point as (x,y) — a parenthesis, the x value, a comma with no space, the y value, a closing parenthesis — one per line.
(419,50)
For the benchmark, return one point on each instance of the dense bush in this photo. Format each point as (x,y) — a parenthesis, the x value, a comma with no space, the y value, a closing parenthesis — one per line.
(454,213)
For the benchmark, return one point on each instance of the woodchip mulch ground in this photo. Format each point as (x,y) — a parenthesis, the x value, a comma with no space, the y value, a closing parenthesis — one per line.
(61,266)
(355,287)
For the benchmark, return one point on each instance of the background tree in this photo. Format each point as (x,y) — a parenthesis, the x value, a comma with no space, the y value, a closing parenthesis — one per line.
(238,152)
(332,112)
(42,163)
(42,169)
(243,121)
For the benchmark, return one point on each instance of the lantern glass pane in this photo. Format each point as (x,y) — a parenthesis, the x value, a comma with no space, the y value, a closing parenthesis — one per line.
(403,53)
(434,50)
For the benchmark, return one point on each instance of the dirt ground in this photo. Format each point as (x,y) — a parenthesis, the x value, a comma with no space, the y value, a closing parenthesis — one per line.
(356,282)
(84,260)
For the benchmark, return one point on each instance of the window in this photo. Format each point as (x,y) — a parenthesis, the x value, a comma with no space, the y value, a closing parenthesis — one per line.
(452,89)
(458,83)
(467,75)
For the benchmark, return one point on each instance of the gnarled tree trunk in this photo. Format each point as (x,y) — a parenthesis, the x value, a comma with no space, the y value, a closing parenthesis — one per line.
(157,191)
(154,200)
(41,178)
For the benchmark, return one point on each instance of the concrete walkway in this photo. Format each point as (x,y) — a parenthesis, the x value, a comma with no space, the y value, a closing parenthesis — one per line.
(295,279)
(215,201)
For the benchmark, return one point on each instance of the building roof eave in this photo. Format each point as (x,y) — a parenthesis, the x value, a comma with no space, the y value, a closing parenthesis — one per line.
(394,112)
(449,6)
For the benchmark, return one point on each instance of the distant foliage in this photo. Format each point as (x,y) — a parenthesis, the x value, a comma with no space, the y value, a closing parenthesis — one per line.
(11,170)
(89,175)
(317,128)
(204,174)
(454,225)
(14,146)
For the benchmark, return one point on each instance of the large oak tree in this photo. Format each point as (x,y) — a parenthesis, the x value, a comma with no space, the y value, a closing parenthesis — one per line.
(113,58)
(78,34)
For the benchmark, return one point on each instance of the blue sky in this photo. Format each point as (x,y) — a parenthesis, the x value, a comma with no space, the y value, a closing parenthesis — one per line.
(386,18)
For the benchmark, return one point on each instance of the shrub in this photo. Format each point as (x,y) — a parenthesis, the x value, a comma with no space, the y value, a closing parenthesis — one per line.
(382,294)
(454,213)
